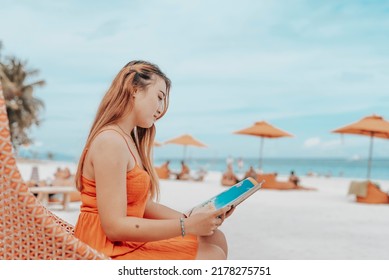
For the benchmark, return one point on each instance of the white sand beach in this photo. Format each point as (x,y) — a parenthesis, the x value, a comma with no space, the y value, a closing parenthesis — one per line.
(326,224)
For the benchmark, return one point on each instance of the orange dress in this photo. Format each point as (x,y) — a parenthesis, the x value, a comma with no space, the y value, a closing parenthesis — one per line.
(89,229)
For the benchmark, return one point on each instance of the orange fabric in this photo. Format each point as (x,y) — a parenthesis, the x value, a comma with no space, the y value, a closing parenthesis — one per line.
(272,183)
(374,126)
(374,195)
(264,129)
(185,140)
(89,229)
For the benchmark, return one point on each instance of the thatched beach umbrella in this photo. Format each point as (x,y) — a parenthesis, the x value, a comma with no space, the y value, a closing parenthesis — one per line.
(185,140)
(263,130)
(373,126)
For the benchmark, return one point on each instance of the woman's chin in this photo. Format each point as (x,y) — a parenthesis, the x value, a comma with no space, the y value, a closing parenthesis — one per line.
(146,125)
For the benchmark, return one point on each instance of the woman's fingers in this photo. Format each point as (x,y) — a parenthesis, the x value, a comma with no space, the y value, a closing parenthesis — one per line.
(211,220)
(217,222)
(224,212)
(229,212)
(221,211)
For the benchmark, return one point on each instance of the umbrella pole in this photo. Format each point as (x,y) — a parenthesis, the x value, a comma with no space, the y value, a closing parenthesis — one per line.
(370,155)
(260,154)
(184,152)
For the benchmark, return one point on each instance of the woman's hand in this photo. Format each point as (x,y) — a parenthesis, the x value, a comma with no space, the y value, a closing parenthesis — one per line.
(230,210)
(205,221)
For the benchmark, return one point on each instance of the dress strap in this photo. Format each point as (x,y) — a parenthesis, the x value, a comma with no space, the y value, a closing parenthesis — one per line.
(128,146)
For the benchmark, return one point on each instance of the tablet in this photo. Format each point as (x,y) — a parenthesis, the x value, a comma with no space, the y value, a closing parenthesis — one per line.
(235,195)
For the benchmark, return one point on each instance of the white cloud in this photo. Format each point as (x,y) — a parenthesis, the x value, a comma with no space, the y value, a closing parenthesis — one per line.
(318,143)
(312,142)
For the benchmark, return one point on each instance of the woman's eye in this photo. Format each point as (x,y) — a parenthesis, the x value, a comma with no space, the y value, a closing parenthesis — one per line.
(160,98)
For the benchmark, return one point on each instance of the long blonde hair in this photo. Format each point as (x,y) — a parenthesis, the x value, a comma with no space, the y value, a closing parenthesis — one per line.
(117,102)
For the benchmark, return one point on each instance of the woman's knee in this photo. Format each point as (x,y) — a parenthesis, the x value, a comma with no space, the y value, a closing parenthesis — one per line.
(208,251)
(218,239)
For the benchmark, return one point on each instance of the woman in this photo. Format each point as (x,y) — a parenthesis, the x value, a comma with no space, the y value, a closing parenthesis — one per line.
(184,173)
(118,184)
(251,173)
(229,178)
(293,178)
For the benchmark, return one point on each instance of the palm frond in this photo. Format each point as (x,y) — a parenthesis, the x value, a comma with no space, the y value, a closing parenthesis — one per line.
(22,107)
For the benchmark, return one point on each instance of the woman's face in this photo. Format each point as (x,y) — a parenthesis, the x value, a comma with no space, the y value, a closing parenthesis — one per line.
(149,103)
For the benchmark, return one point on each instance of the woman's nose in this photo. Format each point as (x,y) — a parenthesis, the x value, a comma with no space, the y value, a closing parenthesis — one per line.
(159,112)
(160,108)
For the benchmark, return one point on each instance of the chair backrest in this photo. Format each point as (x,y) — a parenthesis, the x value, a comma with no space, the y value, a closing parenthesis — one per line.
(270,178)
(27,229)
(358,188)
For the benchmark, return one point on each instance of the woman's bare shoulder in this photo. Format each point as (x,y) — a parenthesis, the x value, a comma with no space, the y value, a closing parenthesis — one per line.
(107,147)
(109,143)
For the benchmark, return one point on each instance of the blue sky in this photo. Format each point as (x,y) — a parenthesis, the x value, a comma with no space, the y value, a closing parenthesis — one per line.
(307,67)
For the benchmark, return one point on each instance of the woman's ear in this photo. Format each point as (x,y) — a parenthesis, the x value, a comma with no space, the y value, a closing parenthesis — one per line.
(137,93)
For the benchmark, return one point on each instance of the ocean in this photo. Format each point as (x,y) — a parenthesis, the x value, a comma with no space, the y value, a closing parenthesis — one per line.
(331,167)
(301,166)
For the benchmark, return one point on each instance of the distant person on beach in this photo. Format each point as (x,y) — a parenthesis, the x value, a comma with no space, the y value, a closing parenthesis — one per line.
(62,173)
(229,160)
(310,174)
(184,173)
(229,178)
(251,173)
(119,213)
(240,164)
(63,177)
(200,174)
(293,178)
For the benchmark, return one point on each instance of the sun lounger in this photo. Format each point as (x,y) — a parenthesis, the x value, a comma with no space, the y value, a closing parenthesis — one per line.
(272,183)
(373,195)
(28,230)
(358,188)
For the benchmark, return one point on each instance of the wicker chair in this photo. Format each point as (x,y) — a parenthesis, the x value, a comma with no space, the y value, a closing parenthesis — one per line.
(27,229)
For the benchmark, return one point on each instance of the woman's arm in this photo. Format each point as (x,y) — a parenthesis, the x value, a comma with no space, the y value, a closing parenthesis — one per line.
(158,211)
(110,158)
